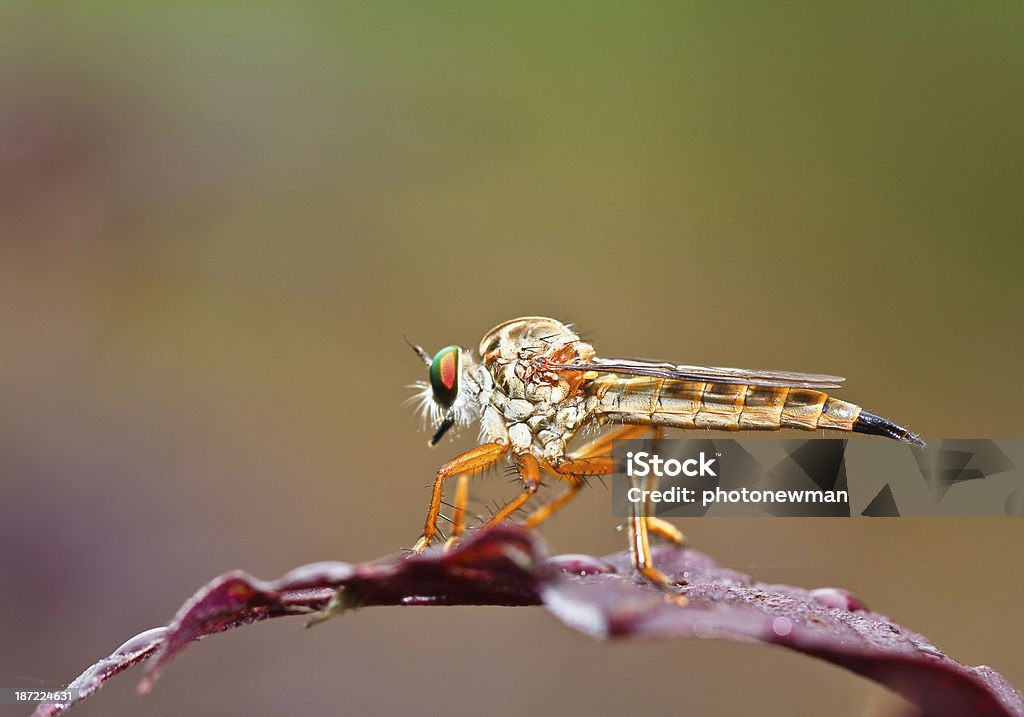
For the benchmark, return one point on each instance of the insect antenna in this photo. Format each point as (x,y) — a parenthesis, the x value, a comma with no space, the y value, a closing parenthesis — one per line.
(419,351)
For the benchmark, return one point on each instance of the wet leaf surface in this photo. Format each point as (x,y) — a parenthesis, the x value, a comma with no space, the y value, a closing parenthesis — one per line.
(601,597)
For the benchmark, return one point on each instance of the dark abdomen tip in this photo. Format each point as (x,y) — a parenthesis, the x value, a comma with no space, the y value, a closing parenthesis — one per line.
(874,425)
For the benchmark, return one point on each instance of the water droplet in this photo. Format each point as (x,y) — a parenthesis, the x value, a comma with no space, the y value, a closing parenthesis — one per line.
(141,641)
(704,629)
(581,564)
(782,626)
(926,647)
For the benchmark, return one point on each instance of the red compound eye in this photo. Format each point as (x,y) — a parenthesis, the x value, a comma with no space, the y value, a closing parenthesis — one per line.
(444,375)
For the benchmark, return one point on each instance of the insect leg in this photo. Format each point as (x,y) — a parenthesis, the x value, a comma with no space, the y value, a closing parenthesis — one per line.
(598,446)
(603,444)
(665,529)
(588,466)
(458,511)
(529,472)
(472,461)
(638,524)
(547,510)
(657,525)
(640,551)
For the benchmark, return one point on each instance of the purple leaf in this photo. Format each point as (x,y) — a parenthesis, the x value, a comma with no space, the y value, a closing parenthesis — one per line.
(602,598)
(828,623)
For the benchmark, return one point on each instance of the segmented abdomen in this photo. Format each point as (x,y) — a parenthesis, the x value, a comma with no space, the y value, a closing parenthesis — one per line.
(731,407)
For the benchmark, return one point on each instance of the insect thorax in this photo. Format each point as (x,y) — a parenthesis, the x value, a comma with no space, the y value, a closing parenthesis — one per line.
(531,406)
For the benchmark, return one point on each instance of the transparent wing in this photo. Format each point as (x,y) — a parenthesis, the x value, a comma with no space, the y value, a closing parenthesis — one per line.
(715,374)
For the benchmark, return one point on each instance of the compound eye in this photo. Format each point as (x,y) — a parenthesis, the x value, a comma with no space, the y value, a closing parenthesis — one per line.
(444,375)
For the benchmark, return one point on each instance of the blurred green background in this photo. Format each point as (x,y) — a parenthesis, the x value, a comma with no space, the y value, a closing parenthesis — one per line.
(217,222)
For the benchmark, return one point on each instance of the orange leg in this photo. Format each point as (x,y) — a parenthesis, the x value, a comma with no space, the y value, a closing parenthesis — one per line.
(665,529)
(603,445)
(639,523)
(547,510)
(588,461)
(596,447)
(657,525)
(458,511)
(640,551)
(529,472)
(470,462)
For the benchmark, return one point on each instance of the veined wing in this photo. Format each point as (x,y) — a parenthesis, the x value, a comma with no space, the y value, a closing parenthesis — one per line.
(711,374)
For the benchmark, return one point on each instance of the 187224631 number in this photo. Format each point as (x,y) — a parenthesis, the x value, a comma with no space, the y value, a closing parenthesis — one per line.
(16,697)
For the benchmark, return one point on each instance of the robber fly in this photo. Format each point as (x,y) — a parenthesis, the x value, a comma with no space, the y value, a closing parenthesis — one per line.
(535,384)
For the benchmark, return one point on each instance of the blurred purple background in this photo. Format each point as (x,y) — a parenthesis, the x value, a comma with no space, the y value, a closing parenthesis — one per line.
(217,223)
